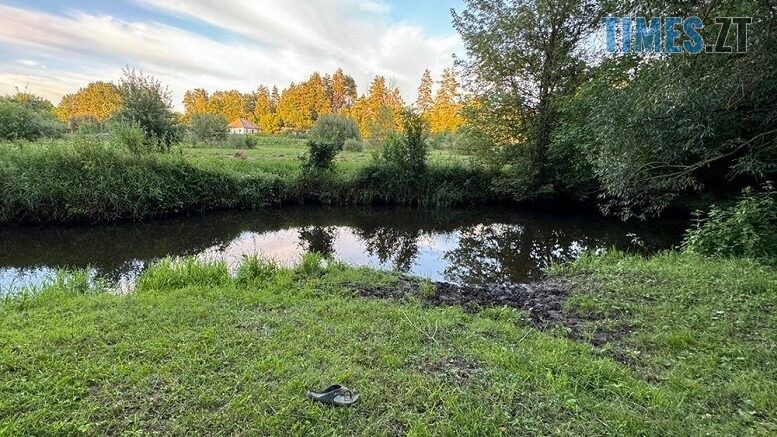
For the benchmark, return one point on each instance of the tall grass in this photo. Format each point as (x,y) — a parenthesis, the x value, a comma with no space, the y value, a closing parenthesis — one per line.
(88,181)
(82,180)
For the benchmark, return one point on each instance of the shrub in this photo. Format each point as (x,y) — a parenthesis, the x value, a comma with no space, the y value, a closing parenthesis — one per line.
(446,140)
(19,121)
(85,125)
(408,150)
(320,155)
(335,130)
(208,128)
(242,141)
(745,229)
(147,103)
(353,145)
(129,136)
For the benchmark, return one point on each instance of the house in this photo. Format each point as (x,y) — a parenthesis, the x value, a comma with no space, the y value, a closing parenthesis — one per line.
(241,126)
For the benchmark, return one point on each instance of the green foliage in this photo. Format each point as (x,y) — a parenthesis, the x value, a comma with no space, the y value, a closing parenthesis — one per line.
(84,180)
(208,128)
(255,270)
(407,151)
(85,125)
(335,130)
(523,56)
(21,121)
(170,274)
(745,229)
(129,136)
(688,350)
(321,155)
(146,103)
(246,142)
(353,145)
(655,129)
(312,265)
(448,141)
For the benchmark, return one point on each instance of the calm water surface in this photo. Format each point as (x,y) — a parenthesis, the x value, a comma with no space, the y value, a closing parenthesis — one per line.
(468,246)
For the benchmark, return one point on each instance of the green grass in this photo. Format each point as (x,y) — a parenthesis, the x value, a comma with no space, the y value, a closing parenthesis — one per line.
(285,156)
(194,350)
(701,327)
(85,180)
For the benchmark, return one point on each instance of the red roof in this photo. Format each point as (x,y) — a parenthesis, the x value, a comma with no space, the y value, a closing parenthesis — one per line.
(242,123)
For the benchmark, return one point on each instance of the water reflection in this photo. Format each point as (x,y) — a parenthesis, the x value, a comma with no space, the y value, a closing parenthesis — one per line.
(463,246)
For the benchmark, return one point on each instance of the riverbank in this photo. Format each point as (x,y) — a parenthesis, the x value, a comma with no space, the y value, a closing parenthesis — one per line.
(87,181)
(688,349)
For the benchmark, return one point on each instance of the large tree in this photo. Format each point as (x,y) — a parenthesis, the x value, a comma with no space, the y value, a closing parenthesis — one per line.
(523,54)
(425,97)
(659,127)
(98,100)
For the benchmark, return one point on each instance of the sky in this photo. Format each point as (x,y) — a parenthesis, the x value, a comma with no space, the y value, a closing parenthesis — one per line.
(54,47)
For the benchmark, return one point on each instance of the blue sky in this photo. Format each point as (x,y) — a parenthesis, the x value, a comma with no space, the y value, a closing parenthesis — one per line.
(55,47)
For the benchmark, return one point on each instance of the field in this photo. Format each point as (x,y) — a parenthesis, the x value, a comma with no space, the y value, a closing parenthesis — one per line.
(687,348)
(284,156)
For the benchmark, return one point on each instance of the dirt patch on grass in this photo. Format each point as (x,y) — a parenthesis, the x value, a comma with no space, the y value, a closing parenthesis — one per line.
(542,301)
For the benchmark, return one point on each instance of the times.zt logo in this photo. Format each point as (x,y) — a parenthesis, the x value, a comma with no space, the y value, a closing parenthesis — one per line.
(674,35)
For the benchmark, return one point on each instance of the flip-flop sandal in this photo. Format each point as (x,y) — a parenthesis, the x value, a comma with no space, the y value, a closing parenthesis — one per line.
(334,395)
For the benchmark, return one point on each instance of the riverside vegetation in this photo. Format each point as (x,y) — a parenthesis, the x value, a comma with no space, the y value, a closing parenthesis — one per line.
(678,343)
(195,349)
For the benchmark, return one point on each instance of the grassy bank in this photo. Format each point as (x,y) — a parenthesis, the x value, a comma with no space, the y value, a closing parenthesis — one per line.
(196,350)
(79,180)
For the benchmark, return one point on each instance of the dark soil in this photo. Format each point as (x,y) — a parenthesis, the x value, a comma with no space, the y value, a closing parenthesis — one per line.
(542,301)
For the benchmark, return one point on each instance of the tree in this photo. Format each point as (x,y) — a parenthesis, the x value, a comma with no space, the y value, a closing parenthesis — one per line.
(522,57)
(208,128)
(291,108)
(230,104)
(655,129)
(263,104)
(379,112)
(445,113)
(195,102)
(424,101)
(147,104)
(334,129)
(27,117)
(98,100)
(343,91)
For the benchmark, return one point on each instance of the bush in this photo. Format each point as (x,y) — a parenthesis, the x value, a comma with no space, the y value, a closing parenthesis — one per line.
(146,103)
(208,128)
(242,141)
(353,145)
(446,140)
(85,125)
(335,130)
(408,150)
(19,121)
(746,229)
(320,155)
(129,136)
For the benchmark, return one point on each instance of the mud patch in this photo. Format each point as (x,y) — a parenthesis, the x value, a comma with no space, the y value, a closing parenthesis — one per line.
(542,301)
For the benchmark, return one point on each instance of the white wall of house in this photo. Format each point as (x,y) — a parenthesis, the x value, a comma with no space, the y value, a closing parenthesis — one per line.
(242,131)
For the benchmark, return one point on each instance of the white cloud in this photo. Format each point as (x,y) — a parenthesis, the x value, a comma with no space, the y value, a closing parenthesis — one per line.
(376,7)
(275,43)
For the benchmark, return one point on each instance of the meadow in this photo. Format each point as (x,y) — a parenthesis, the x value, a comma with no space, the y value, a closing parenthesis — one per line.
(676,344)
(86,179)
